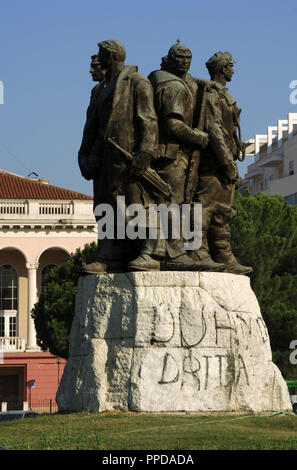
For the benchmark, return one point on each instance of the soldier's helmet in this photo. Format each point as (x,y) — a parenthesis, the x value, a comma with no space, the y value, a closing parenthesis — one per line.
(218,60)
(178,47)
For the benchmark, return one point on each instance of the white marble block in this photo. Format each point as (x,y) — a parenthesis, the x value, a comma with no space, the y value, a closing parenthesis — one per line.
(170,341)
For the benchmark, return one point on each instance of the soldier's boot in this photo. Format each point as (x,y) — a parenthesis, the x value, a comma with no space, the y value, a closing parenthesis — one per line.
(110,258)
(154,256)
(145,261)
(183,262)
(150,259)
(222,253)
(102,267)
(203,259)
(95,267)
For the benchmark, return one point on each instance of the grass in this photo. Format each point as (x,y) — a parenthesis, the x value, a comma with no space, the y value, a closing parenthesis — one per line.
(147,431)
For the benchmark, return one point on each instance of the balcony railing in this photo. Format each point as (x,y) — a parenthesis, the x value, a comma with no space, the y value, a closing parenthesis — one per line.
(44,211)
(46,208)
(41,208)
(13,208)
(12,344)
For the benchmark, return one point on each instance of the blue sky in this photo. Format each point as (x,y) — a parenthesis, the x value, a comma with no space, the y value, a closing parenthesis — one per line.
(45,50)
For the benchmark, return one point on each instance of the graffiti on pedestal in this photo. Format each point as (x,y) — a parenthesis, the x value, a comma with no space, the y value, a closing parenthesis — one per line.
(198,370)
(202,347)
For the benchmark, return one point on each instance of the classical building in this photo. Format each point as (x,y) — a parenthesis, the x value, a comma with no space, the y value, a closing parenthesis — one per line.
(40,224)
(274,170)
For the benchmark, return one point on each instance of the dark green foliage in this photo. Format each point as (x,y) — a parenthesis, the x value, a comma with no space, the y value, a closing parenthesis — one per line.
(264,236)
(54,312)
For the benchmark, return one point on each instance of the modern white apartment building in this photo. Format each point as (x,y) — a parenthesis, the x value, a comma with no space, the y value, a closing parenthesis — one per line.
(274,170)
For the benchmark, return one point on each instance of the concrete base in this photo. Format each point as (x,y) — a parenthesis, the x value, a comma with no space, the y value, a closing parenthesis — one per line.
(170,341)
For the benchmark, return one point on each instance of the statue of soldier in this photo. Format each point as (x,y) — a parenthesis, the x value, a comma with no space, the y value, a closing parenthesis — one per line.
(85,148)
(218,174)
(175,94)
(124,113)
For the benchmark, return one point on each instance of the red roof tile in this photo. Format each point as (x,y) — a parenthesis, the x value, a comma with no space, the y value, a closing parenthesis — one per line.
(18,187)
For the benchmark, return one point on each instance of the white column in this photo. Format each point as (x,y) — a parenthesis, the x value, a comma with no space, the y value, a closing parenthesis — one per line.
(282,126)
(292,121)
(3,406)
(259,140)
(32,298)
(271,136)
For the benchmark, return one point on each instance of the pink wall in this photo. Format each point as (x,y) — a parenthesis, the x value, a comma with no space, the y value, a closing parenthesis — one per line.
(41,367)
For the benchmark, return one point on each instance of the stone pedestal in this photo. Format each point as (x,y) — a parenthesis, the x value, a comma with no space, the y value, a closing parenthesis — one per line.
(170,341)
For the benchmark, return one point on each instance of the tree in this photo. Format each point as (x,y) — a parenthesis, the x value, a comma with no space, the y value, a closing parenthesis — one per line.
(53,313)
(264,236)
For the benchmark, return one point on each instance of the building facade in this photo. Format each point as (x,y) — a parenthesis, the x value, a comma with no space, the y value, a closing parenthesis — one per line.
(40,224)
(274,170)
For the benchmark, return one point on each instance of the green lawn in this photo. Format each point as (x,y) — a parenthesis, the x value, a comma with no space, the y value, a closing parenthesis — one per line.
(147,431)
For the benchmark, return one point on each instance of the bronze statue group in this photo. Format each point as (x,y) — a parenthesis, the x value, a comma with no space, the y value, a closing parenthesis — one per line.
(170,130)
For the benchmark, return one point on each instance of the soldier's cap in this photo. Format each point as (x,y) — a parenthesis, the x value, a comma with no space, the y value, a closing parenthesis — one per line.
(178,47)
(115,47)
(221,57)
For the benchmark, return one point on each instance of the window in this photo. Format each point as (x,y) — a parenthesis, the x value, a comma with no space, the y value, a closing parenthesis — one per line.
(8,300)
(291,168)
(8,287)
(12,325)
(2,326)
(44,272)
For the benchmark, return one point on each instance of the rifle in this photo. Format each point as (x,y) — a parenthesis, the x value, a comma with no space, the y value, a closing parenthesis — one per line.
(149,175)
(192,173)
(241,146)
